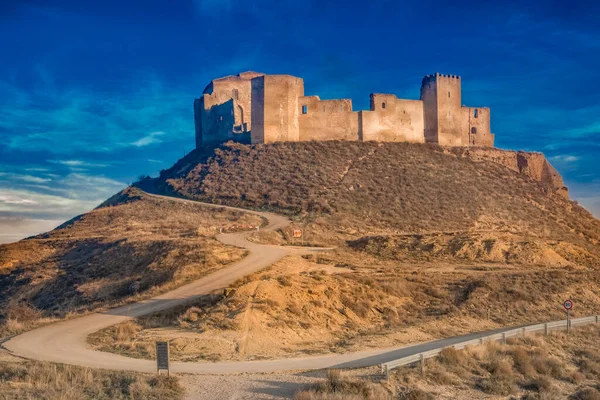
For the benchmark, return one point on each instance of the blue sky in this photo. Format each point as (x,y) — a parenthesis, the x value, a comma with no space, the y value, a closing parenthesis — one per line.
(93,94)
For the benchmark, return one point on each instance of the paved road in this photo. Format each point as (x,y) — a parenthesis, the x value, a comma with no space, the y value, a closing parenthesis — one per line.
(65,342)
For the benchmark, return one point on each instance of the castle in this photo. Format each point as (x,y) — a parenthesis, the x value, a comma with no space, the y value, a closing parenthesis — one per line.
(252,107)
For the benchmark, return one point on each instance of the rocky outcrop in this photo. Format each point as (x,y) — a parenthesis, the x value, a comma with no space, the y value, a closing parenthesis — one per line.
(533,164)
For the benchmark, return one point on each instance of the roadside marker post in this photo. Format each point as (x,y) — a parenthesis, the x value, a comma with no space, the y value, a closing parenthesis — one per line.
(568,305)
(162,357)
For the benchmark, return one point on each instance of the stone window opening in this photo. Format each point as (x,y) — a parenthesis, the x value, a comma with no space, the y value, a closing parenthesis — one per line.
(473,130)
(383,105)
(323,108)
(448,94)
(235,93)
(475,113)
(304,109)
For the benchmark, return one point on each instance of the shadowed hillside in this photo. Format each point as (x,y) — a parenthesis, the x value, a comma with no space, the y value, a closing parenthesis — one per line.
(92,260)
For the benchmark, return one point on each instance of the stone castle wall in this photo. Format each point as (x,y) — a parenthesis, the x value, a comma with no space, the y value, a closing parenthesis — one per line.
(258,108)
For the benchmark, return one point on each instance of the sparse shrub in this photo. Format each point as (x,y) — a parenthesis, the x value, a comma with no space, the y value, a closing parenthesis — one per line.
(542,384)
(452,357)
(295,309)
(22,312)
(409,393)
(586,393)
(191,315)
(575,377)
(501,380)
(127,331)
(522,362)
(338,387)
(284,280)
(271,303)
(546,365)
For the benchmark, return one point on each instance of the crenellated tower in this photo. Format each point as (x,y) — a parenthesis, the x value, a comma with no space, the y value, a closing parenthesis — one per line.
(441,96)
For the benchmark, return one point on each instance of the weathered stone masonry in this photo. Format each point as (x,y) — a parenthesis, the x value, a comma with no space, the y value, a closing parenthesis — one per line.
(256,108)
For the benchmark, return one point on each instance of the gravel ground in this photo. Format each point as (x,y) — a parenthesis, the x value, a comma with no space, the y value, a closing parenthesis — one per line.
(248,386)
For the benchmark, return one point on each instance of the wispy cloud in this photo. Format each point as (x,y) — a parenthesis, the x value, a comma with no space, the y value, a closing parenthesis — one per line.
(77,163)
(564,158)
(15,228)
(68,120)
(151,138)
(60,198)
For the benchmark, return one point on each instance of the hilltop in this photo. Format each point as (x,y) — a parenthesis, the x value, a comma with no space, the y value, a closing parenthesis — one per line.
(343,191)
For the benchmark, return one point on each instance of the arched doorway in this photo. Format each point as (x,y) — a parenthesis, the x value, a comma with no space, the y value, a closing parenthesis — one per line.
(238,121)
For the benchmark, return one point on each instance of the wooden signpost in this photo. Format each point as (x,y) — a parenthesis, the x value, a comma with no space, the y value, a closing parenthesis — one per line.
(162,357)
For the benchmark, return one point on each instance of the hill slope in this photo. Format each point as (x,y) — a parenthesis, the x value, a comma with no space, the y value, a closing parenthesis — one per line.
(92,260)
(351,190)
(429,243)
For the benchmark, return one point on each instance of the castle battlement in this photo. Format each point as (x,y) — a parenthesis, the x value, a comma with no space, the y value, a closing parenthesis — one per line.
(253,107)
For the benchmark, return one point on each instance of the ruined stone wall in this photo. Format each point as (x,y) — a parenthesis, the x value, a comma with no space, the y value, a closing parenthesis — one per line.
(534,165)
(327,119)
(225,110)
(392,120)
(275,108)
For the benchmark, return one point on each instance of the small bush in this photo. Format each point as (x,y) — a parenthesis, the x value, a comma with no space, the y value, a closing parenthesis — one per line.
(587,393)
(522,362)
(451,356)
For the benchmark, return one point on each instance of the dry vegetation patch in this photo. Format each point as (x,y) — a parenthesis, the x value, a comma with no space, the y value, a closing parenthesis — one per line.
(336,302)
(92,260)
(531,368)
(41,380)
(534,367)
(347,190)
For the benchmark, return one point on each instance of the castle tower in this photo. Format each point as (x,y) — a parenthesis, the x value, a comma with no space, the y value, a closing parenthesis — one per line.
(441,96)
(275,108)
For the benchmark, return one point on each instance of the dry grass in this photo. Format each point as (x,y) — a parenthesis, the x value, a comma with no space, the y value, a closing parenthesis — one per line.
(342,301)
(343,190)
(535,367)
(40,380)
(91,261)
(338,387)
(339,301)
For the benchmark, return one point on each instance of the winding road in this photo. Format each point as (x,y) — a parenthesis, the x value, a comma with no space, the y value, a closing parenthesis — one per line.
(65,342)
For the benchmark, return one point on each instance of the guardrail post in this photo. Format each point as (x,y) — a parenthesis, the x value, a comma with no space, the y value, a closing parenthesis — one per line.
(480,340)
(504,337)
(546,329)
(387,373)
(422,363)
(523,331)
(596,319)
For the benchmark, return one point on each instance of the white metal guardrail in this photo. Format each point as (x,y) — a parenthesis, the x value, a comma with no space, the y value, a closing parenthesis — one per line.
(501,336)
